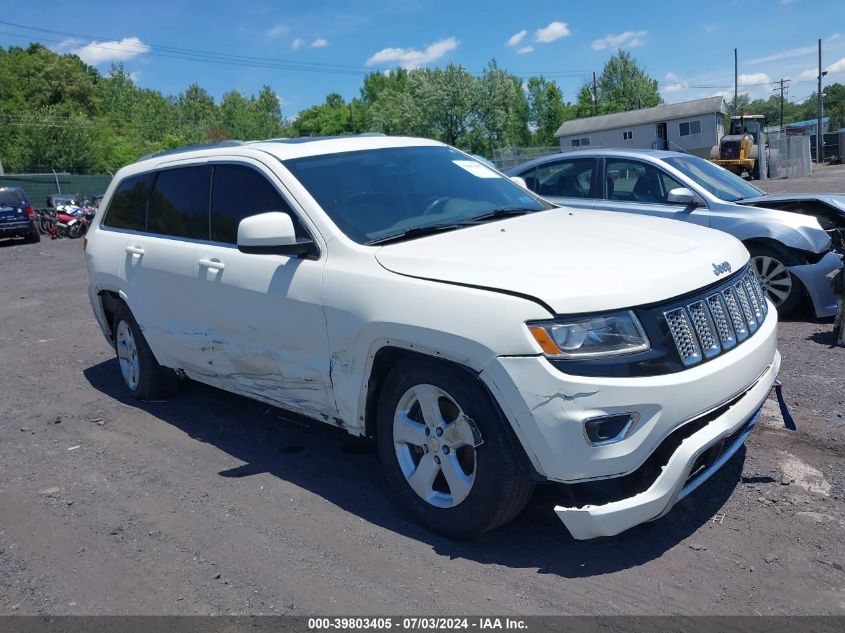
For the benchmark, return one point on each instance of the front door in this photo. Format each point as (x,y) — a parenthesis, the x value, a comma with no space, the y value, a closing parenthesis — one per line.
(634,186)
(662,136)
(569,182)
(263,317)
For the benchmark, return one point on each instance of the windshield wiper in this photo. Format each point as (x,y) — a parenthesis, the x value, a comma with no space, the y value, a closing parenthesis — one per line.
(505,212)
(416,231)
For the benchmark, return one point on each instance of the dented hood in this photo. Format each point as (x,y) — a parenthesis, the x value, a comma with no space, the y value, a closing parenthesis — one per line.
(573,260)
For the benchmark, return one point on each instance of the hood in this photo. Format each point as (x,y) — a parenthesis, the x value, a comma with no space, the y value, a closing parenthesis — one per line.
(572,260)
(797,230)
(836,201)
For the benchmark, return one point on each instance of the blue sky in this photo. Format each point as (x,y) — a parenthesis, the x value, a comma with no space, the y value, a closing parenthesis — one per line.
(687,46)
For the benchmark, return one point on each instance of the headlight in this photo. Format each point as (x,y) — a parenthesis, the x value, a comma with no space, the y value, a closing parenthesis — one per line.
(591,337)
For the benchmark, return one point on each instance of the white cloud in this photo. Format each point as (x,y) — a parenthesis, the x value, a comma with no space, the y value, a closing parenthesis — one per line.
(628,39)
(753,79)
(524,50)
(554,31)
(710,27)
(411,57)
(277,30)
(111,51)
(836,67)
(320,42)
(516,38)
(787,2)
(135,75)
(793,52)
(297,43)
(673,83)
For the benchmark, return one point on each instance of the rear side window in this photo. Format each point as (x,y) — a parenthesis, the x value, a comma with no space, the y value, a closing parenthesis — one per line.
(11,198)
(237,193)
(179,203)
(128,206)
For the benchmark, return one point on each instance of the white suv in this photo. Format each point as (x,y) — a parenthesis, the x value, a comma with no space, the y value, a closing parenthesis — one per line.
(399,289)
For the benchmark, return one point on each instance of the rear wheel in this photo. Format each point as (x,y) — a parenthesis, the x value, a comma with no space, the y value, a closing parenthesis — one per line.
(780,286)
(34,237)
(445,452)
(143,376)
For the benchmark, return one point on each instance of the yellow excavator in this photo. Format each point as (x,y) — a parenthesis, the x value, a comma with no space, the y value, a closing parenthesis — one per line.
(743,149)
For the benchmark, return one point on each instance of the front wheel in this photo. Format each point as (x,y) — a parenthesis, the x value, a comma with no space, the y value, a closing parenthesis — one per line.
(782,289)
(445,452)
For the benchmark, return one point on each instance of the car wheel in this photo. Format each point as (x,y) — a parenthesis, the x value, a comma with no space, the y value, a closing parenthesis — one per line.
(780,286)
(445,452)
(143,376)
(34,237)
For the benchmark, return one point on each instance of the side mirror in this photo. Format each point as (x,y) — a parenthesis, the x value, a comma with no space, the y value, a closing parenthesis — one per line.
(520,181)
(272,234)
(682,195)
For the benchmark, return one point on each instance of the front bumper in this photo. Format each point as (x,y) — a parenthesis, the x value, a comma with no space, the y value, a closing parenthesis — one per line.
(814,278)
(677,478)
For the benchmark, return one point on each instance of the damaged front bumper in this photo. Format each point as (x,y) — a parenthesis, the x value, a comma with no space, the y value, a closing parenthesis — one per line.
(698,456)
(816,280)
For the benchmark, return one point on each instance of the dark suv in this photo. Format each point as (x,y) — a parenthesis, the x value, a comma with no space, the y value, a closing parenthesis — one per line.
(17,217)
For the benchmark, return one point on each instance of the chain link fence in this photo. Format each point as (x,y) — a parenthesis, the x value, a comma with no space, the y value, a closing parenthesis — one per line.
(39,186)
(507,157)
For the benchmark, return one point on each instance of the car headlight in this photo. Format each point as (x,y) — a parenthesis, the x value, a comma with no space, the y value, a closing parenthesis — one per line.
(596,336)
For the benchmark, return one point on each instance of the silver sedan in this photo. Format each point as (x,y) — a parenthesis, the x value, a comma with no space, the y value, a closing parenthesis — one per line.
(792,253)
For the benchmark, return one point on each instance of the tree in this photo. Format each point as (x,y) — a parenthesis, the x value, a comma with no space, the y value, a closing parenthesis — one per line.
(546,110)
(327,119)
(624,85)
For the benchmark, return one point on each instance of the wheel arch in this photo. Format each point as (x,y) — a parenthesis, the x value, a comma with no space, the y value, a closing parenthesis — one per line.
(389,355)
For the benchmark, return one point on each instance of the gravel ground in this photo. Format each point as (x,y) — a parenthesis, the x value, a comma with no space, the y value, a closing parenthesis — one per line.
(825,179)
(210,503)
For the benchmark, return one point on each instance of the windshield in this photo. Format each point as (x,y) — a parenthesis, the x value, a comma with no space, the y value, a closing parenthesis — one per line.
(11,197)
(718,181)
(375,194)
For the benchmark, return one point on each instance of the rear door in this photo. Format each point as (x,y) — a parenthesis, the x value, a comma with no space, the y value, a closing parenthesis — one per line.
(569,182)
(634,186)
(158,263)
(263,314)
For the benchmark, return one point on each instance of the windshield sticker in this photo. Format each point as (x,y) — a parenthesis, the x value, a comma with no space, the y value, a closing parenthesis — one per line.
(476,168)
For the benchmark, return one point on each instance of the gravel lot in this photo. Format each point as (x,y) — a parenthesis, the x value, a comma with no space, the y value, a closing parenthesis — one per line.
(209,503)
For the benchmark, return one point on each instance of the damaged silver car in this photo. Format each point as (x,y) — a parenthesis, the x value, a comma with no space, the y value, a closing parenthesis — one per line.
(792,253)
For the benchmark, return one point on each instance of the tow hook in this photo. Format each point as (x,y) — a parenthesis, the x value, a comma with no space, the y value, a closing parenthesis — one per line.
(788,422)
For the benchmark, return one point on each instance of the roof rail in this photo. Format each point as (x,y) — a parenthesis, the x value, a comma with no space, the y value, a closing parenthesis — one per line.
(191,148)
(310,139)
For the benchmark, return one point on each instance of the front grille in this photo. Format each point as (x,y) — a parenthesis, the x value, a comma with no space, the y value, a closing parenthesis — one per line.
(708,325)
(730,149)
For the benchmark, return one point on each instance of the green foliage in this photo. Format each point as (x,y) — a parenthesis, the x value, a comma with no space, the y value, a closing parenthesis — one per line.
(623,85)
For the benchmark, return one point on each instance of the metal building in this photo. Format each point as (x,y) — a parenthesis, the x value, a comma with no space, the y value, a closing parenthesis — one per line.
(690,126)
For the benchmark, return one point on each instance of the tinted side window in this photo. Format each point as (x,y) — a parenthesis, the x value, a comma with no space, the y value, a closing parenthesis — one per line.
(237,193)
(566,178)
(633,181)
(128,206)
(179,203)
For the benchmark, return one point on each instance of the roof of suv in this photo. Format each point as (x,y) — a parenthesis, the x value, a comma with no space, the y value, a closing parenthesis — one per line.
(284,148)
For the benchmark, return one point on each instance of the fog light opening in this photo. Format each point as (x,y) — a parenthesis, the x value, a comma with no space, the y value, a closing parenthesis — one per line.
(609,429)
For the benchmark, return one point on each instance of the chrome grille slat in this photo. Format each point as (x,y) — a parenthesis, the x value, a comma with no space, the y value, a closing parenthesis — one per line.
(719,312)
(745,304)
(709,325)
(685,340)
(704,329)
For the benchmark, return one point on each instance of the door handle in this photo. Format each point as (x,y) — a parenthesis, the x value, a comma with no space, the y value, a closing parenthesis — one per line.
(212,263)
(135,250)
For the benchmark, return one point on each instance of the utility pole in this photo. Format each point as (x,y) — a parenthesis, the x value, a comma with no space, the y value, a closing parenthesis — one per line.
(595,96)
(819,136)
(783,86)
(736,84)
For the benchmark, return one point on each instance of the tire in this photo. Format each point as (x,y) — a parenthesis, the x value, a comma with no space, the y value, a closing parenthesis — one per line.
(472,489)
(34,237)
(144,378)
(782,288)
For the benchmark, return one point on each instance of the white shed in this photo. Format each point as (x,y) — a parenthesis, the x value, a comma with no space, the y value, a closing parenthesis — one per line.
(690,126)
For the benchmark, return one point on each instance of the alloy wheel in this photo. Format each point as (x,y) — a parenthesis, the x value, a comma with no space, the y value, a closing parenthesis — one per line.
(127,355)
(435,445)
(775,279)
